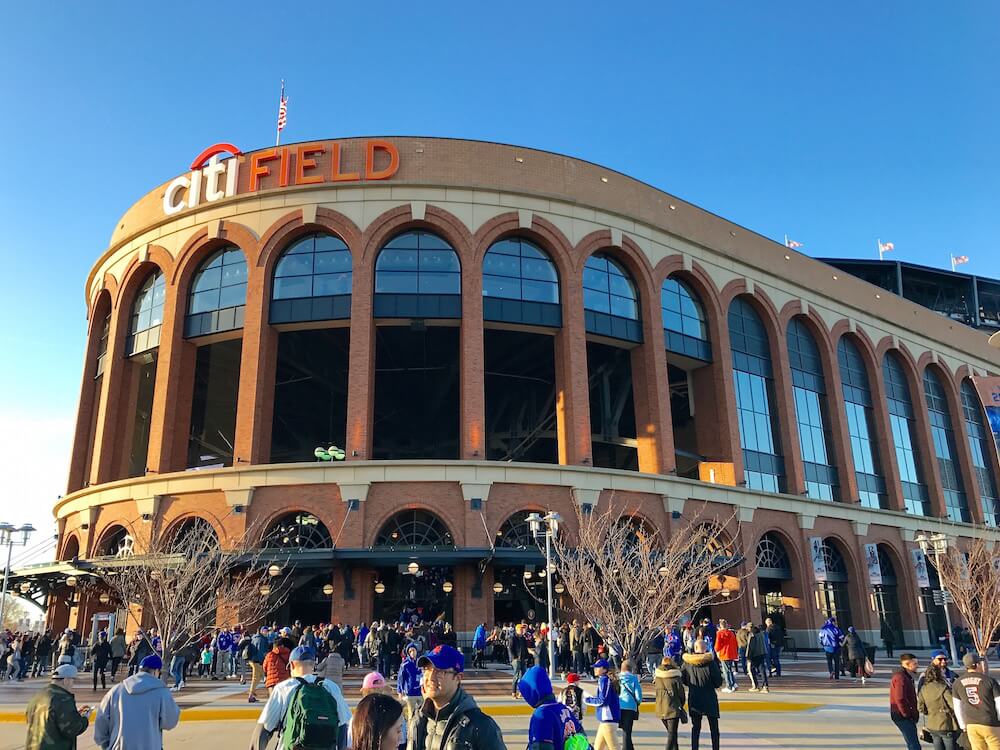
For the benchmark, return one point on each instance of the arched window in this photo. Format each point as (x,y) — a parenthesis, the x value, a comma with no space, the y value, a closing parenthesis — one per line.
(218,294)
(981,445)
(943,437)
(418,275)
(904,435)
(610,301)
(515,533)
(72,549)
(763,465)
(772,557)
(809,392)
(684,329)
(299,531)
(520,284)
(193,536)
(711,538)
(312,281)
(147,315)
(886,567)
(861,425)
(414,528)
(836,566)
(116,542)
(834,599)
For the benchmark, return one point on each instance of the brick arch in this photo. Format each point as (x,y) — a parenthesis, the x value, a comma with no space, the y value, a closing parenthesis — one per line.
(856,580)
(905,580)
(436,220)
(801,580)
(102,538)
(109,286)
(697,278)
(813,321)
(542,233)
(630,256)
(426,507)
(529,508)
(175,523)
(292,226)
(136,271)
(197,249)
(67,546)
(797,560)
(199,245)
(264,524)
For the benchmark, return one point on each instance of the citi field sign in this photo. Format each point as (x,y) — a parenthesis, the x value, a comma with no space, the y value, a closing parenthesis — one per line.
(214,177)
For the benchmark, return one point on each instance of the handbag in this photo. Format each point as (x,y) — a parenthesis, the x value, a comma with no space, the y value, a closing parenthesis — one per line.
(925,736)
(869,668)
(683,716)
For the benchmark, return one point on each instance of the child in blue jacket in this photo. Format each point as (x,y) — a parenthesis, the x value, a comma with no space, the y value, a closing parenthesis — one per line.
(553,725)
(607,706)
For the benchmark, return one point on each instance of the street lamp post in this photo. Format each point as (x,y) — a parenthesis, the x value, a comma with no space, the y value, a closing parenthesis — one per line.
(7,531)
(550,521)
(938,544)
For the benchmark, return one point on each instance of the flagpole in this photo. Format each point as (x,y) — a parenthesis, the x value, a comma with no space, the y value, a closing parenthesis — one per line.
(952,262)
(879,243)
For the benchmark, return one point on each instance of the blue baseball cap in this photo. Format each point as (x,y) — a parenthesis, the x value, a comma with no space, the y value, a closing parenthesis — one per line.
(151,662)
(443,657)
(302,653)
(939,652)
(601,664)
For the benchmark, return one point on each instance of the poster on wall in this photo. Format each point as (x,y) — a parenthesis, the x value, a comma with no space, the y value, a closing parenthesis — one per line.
(818,558)
(920,566)
(989,393)
(874,567)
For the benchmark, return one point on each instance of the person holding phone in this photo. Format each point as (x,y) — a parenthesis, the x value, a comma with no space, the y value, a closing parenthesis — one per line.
(54,721)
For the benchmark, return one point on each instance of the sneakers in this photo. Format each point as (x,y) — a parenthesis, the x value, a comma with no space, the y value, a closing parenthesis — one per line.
(252,699)
(183,684)
(727,690)
(765,689)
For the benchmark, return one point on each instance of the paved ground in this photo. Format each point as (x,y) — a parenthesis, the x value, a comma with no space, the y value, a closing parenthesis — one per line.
(804,711)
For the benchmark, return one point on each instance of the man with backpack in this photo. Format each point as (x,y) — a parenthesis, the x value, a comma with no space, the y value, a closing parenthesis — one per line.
(310,712)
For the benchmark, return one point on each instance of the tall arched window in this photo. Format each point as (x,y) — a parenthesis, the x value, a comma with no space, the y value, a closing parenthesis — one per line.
(763,465)
(147,315)
(772,557)
(312,281)
(418,275)
(610,301)
(861,425)
(414,528)
(943,437)
(980,445)
(811,413)
(514,533)
(684,329)
(298,531)
(218,294)
(520,284)
(833,593)
(904,435)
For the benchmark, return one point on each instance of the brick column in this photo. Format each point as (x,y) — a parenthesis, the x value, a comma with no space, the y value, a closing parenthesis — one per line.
(840,436)
(81,457)
(651,395)
(258,362)
(883,433)
(788,427)
(107,438)
(963,455)
(572,388)
(361,372)
(718,433)
(472,384)
(924,450)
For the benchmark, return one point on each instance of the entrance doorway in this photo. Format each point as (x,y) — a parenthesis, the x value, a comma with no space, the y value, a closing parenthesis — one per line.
(413,597)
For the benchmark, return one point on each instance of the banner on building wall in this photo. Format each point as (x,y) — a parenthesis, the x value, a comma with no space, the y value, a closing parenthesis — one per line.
(989,393)
(818,558)
(920,567)
(874,567)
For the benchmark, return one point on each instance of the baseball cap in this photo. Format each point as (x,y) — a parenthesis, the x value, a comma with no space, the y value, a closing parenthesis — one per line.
(285,631)
(970,660)
(443,657)
(151,662)
(373,681)
(302,653)
(64,672)
(572,677)
(938,653)
(601,664)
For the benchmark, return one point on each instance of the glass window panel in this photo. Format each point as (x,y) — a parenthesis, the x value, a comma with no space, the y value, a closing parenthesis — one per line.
(624,308)
(596,301)
(541,270)
(234,273)
(438,260)
(329,243)
(428,241)
(144,320)
(204,301)
(621,287)
(594,279)
(397,260)
(439,283)
(332,262)
(210,278)
(294,265)
(231,296)
(540,291)
(331,284)
(501,286)
(395,282)
(501,265)
(293,287)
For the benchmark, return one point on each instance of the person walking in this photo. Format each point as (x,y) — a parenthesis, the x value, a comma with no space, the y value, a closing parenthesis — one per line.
(757,657)
(888,638)
(377,723)
(449,718)
(553,725)
(702,677)
(572,696)
(99,658)
(479,644)
(606,706)
(831,639)
(276,665)
(517,650)
(43,652)
(53,719)
(117,651)
(727,650)
(256,651)
(630,701)
(332,668)
(976,701)
(776,640)
(934,701)
(903,700)
(137,711)
(669,685)
(302,714)
(408,682)
(854,650)
(742,638)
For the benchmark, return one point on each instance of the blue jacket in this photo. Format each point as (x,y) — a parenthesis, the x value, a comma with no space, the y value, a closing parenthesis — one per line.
(479,640)
(631,694)
(408,682)
(830,637)
(224,641)
(552,723)
(606,701)
(259,647)
(673,645)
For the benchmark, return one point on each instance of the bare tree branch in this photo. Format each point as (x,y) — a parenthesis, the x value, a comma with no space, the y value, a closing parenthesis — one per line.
(973,580)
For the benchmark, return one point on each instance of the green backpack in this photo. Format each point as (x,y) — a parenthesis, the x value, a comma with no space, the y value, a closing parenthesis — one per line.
(576,742)
(311,722)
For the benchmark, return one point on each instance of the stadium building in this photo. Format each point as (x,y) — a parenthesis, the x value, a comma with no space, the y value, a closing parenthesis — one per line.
(473,331)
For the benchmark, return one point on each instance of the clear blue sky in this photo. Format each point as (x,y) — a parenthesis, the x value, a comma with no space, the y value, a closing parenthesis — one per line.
(835,123)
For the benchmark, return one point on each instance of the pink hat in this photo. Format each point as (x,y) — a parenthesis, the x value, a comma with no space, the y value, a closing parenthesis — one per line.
(373,681)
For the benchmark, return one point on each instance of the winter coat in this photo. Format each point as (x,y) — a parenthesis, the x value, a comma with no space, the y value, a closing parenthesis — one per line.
(332,668)
(742,636)
(408,682)
(461,725)
(259,647)
(726,646)
(703,677)
(479,639)
(756,647)
(276,666)
(552,723)
(118,647)
(101,654)
(135,713)
(53,721)
(855,647)
(630,696)
(669,685)
(605,701)
(935,701)
(903,696)
(830,637)
(673,646)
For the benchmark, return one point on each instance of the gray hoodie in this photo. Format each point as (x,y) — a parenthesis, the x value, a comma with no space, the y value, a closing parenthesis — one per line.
(134,713)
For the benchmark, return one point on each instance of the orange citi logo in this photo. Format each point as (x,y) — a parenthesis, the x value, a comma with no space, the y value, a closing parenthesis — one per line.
(212,178)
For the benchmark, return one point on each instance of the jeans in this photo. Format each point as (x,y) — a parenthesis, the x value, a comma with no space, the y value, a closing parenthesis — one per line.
(518,666)
(758,672)
(384,665)
(176,670)
(742,658)
(729,672)
(944,740)
(579,663)
(223,664)
(776,660)
(833,664)
(671,726)
(628,719)
(713,728)
(907,728)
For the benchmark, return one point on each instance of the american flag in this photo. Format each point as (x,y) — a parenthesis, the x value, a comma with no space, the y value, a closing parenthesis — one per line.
(282,109)
(959,259)
(885,247)
(792,244)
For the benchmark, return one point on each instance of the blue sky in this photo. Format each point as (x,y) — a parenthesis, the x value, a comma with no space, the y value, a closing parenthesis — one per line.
(834,123)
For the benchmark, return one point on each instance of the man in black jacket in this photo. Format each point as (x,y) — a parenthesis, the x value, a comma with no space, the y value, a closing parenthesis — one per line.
(517,650)
(977,704)
(450,718)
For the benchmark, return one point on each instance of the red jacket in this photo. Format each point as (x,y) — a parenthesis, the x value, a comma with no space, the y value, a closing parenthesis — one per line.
(903,696)
(725,645)
(276,666)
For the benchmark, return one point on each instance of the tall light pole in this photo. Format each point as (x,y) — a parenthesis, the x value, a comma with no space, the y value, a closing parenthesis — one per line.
(7,531)
(549,526)
(938,544)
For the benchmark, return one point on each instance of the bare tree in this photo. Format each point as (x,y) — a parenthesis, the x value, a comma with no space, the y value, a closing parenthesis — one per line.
(631,580)
(185,582)
(972,578)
